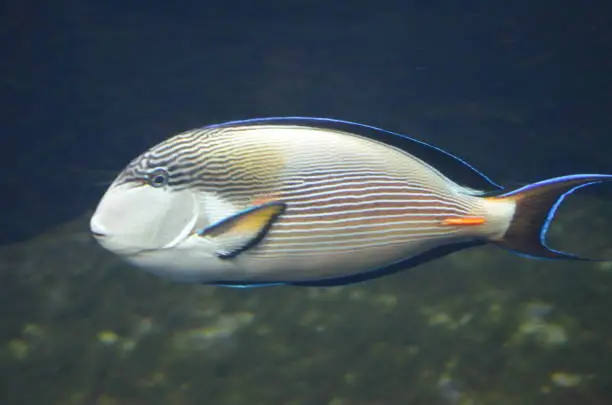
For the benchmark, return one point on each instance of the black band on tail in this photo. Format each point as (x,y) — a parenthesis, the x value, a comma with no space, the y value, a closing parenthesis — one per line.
(536,205)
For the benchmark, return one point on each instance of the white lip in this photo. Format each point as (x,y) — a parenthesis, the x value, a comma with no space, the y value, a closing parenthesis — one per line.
(97,230)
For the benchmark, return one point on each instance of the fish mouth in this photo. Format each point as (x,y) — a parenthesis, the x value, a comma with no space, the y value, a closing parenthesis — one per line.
(98,235)
(97,231)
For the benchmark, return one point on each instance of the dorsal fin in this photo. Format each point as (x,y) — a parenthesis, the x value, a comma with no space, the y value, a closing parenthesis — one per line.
(448,164)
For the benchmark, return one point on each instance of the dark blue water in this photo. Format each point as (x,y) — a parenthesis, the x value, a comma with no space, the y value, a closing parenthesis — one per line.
(521,90)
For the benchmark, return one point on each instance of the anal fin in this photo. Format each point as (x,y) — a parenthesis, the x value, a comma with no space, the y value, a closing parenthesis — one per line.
(243,230)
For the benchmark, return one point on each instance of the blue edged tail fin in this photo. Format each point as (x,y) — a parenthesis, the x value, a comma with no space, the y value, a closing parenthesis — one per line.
(536,205)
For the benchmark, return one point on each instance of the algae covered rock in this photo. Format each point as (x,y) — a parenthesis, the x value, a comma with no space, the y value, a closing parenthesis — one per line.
(479,327)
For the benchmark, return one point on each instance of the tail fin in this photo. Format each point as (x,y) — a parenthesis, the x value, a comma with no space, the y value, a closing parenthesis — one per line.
(536,205)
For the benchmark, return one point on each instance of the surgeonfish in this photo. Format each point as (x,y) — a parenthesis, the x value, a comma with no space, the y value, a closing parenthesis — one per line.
(313,202)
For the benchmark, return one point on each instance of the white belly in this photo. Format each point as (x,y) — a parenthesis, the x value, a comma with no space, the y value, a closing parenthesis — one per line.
(192,262)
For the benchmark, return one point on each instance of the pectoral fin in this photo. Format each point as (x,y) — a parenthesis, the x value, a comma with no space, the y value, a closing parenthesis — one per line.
(243,230)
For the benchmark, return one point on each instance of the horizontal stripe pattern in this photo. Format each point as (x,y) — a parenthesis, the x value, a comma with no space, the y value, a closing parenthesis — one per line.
(343,192)
(355,210)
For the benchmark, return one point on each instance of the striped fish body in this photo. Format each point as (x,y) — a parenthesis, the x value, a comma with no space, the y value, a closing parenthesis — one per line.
(352,206)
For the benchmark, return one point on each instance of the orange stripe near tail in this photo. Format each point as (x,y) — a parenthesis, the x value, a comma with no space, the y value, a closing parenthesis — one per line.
(464,221)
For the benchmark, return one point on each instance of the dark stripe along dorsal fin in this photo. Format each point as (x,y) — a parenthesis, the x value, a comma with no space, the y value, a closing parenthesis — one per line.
(446,163)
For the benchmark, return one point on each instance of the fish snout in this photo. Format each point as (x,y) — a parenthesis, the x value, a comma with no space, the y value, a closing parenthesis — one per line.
(96,229)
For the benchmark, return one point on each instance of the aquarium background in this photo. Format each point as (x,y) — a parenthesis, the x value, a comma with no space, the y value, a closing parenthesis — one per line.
(520,89)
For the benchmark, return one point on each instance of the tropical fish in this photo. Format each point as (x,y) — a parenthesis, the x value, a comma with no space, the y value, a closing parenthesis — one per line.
(313,202)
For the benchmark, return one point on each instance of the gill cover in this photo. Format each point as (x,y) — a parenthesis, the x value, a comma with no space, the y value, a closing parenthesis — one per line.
(144,217)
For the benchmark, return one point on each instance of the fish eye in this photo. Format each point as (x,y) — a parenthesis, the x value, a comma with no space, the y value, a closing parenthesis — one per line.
(157,178)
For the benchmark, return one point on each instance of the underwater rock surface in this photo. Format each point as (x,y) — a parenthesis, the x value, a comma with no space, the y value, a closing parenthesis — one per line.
(80,327)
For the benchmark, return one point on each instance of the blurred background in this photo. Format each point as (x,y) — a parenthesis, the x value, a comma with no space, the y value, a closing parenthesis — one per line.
(521,89)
